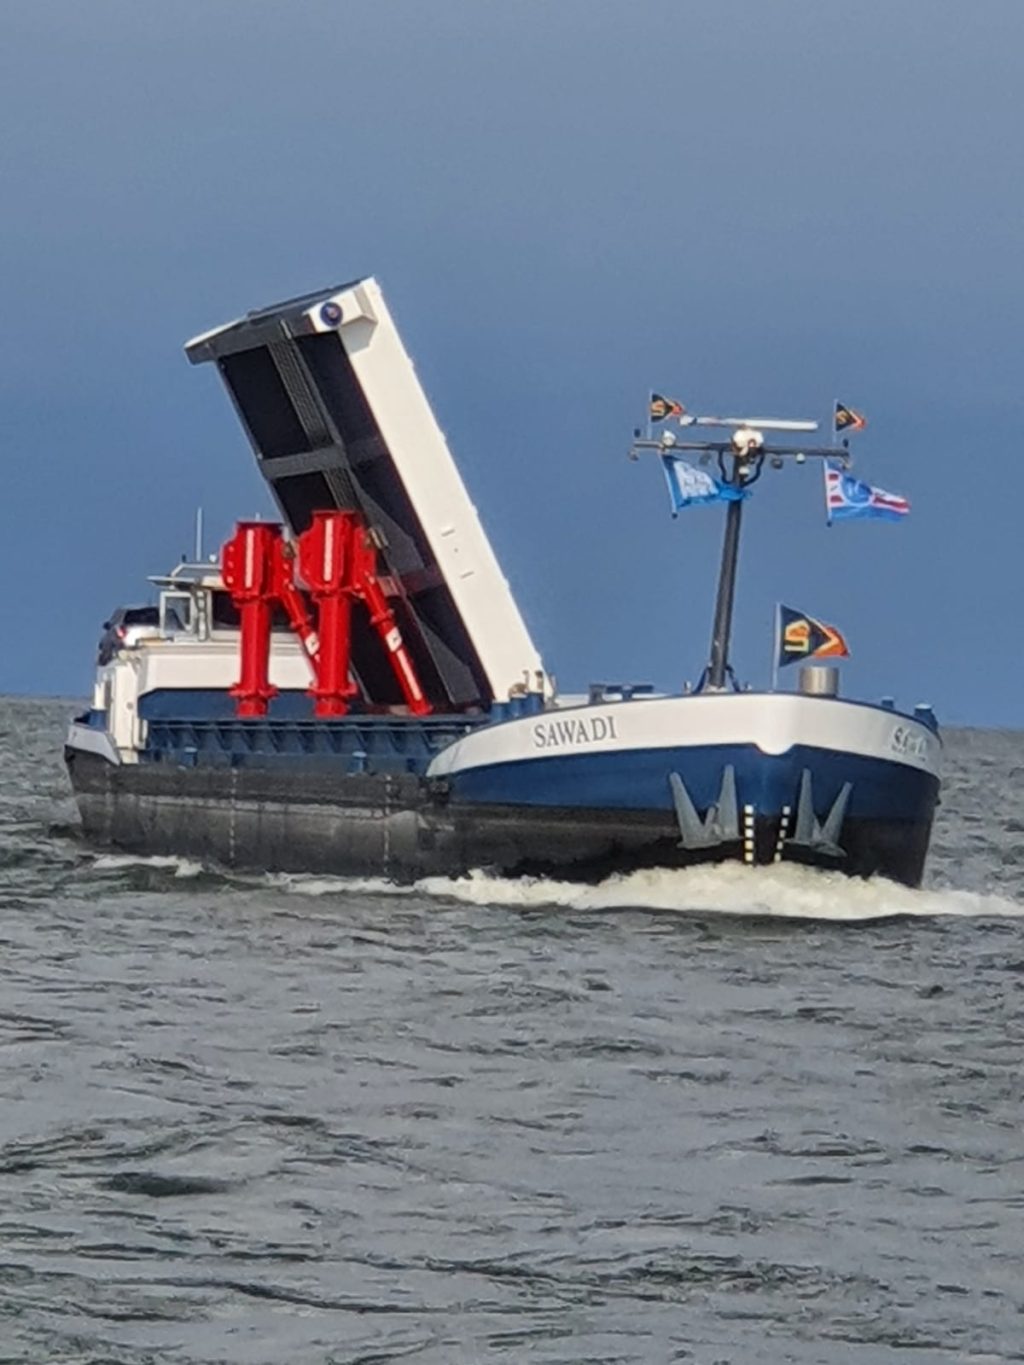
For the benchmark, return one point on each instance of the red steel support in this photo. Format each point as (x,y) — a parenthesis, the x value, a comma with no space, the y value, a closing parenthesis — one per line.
(382,618)
(247,566)
(334,687)
(337,563)
(325,563)
(293,602)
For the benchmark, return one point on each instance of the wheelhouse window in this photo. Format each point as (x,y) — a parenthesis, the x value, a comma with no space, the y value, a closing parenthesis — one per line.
(176,613)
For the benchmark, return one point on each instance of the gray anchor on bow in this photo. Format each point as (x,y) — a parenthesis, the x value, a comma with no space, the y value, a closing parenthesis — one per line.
(721,824)
(817,837)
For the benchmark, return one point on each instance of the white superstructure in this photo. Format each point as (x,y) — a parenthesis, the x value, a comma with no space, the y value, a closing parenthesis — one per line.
(193,651)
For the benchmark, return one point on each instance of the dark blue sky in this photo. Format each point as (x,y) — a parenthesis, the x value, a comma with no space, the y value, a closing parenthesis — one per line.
(750,206)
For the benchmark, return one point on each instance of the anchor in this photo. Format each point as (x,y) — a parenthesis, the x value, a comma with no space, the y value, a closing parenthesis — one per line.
(808,833)
(721,825)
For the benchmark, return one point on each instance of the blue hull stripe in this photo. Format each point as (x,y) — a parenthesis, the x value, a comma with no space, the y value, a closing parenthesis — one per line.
(637,779)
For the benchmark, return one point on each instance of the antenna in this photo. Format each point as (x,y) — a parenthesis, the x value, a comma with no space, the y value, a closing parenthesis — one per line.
(199,536)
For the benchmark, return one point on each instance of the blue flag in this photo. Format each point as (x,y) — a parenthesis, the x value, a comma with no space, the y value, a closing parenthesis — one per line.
(689,486)
(847,497)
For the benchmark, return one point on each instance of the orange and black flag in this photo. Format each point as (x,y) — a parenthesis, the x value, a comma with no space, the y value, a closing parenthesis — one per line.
(662,408)
(846,419)
(803,637)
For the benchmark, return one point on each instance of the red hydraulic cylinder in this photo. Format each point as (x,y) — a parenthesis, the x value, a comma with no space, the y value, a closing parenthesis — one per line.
(247,566)
(293,602)
(334,688)
(325,563)
(382,618)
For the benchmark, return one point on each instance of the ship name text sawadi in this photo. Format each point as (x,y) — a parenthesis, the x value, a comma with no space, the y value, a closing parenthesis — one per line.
(550,734)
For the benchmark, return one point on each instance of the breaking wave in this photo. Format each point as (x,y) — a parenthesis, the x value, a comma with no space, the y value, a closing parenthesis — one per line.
(786,892)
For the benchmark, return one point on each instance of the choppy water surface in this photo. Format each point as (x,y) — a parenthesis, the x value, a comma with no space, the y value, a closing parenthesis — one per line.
(709,1117)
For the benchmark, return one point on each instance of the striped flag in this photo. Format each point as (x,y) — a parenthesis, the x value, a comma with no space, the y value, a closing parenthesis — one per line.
(847,498)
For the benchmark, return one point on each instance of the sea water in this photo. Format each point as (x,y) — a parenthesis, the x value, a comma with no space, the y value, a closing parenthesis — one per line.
(718,1115)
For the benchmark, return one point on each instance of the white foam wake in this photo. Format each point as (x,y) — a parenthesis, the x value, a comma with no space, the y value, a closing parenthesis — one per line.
(785,891)
(302,884)
(180,867)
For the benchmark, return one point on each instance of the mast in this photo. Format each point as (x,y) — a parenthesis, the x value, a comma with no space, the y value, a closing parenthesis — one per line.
(746,455)
(721,631)
(741,461)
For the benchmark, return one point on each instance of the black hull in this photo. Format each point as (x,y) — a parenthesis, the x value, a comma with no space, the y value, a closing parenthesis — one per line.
(404,828)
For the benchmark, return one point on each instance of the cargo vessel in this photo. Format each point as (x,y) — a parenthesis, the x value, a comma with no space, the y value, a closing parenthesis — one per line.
(353,689)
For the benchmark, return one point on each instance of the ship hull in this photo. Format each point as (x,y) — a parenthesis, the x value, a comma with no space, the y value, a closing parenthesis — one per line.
(573,816)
